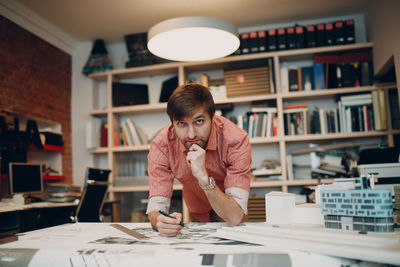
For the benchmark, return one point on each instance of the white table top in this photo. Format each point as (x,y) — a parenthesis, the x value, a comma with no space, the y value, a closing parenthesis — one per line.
(100,244)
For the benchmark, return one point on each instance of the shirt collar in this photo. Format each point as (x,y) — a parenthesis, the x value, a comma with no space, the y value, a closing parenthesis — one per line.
(212,140)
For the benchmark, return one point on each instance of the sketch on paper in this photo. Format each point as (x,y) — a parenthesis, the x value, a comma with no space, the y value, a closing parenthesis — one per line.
(193,233)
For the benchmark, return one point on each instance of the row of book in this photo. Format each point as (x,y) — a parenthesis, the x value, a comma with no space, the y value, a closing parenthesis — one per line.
(328,71)
(298,36)
(259,122)
(130,135)
(355,113)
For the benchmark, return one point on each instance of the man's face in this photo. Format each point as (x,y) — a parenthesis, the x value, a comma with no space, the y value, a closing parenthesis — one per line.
(194,129)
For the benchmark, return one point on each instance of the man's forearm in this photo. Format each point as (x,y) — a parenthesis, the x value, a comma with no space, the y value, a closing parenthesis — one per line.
(225,206)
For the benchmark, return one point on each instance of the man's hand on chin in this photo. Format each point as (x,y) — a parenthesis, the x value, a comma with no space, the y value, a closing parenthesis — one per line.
(197,160)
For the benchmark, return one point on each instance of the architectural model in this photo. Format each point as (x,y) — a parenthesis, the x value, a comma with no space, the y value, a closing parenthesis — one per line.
(353,204)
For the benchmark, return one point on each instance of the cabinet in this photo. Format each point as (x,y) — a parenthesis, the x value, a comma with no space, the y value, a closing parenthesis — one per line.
(152,117)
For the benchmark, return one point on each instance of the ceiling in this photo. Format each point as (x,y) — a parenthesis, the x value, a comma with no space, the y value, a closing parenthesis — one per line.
(86,20)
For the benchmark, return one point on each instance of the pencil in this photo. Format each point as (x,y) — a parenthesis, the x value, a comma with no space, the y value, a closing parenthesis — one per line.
(163,213)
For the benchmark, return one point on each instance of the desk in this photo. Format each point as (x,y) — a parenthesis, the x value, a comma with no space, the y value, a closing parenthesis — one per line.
(99,244)
(38,215)
(22,218)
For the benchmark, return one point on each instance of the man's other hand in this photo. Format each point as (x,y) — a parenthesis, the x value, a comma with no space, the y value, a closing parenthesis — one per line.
(169,226)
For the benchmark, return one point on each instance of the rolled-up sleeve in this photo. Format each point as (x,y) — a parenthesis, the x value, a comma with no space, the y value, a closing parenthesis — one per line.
(160,176)
(237,181)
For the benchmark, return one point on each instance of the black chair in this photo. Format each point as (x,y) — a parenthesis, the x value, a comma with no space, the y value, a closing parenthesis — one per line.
(93,195)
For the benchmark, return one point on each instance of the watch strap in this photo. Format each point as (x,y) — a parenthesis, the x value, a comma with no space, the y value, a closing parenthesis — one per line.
(211,184)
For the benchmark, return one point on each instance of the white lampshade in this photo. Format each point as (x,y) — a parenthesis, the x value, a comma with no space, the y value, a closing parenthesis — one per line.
(192,39)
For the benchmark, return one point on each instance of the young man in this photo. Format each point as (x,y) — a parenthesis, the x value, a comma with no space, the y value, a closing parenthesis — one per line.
(207,153)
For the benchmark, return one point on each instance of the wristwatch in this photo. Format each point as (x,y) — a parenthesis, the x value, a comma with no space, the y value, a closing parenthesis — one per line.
(211,184)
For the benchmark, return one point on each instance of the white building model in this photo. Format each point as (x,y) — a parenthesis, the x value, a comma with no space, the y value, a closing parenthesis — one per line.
(353,204)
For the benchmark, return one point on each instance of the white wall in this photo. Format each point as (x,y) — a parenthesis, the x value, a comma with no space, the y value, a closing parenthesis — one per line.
(383,24)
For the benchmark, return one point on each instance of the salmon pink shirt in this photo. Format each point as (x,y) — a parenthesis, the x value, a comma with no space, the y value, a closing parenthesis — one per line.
(228,161)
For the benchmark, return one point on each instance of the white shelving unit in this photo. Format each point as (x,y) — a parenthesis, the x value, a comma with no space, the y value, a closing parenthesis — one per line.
(183,70)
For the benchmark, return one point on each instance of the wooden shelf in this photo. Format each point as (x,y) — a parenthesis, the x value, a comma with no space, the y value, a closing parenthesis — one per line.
(53,148)
(303,182)
(53,177)
(312,137)
(137,188)
(279,143)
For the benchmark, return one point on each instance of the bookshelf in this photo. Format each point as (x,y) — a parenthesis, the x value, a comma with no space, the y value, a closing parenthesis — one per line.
(280,144)
(49,155)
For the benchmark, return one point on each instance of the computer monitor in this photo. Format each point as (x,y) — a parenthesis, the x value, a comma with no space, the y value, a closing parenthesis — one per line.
(25,178)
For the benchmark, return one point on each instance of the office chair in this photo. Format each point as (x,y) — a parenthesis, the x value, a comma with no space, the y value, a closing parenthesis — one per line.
(93,195)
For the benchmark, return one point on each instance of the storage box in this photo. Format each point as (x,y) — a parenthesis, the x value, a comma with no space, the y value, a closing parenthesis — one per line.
(243,82)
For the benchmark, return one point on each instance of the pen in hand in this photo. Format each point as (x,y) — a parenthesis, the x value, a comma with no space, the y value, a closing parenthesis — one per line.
(165,214)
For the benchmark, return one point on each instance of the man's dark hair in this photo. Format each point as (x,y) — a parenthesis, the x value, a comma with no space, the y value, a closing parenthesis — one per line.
(186,98)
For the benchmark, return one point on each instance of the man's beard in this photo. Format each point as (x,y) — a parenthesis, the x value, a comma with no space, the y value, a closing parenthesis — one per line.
(201,143)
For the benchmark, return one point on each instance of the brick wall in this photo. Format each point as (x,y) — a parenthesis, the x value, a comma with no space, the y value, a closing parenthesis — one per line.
(35,80)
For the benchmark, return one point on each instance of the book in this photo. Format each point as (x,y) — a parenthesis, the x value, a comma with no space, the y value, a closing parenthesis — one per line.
(275,125)
(284,73)
(133,132)
(104,134)
(262,41)
(329,34)
(271,71)
(245,43)
(366,73)
(272,40)
(144,139)
(307,78)
(382,108)
(253,42)
(319,76)
(291,37)
(127,134)
(116,138)
(299,79)
(300,37)
(310,36)
(349,32)
(264,125)
(339,32)
(293,79)
(320,39)
(282,44)
(394,108)
(268,130)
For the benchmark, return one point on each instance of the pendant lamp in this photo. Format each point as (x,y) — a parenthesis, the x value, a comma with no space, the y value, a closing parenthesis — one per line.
(192,39)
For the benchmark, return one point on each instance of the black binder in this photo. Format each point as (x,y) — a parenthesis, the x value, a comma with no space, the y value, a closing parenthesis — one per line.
(329,34)
(262,41)
(272,40)
(300,37)
(291,37)
(320,35)
(253,42)
(310,36)
(245,43)
(282,39)
(349,31)
(293,80)
(339,32)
